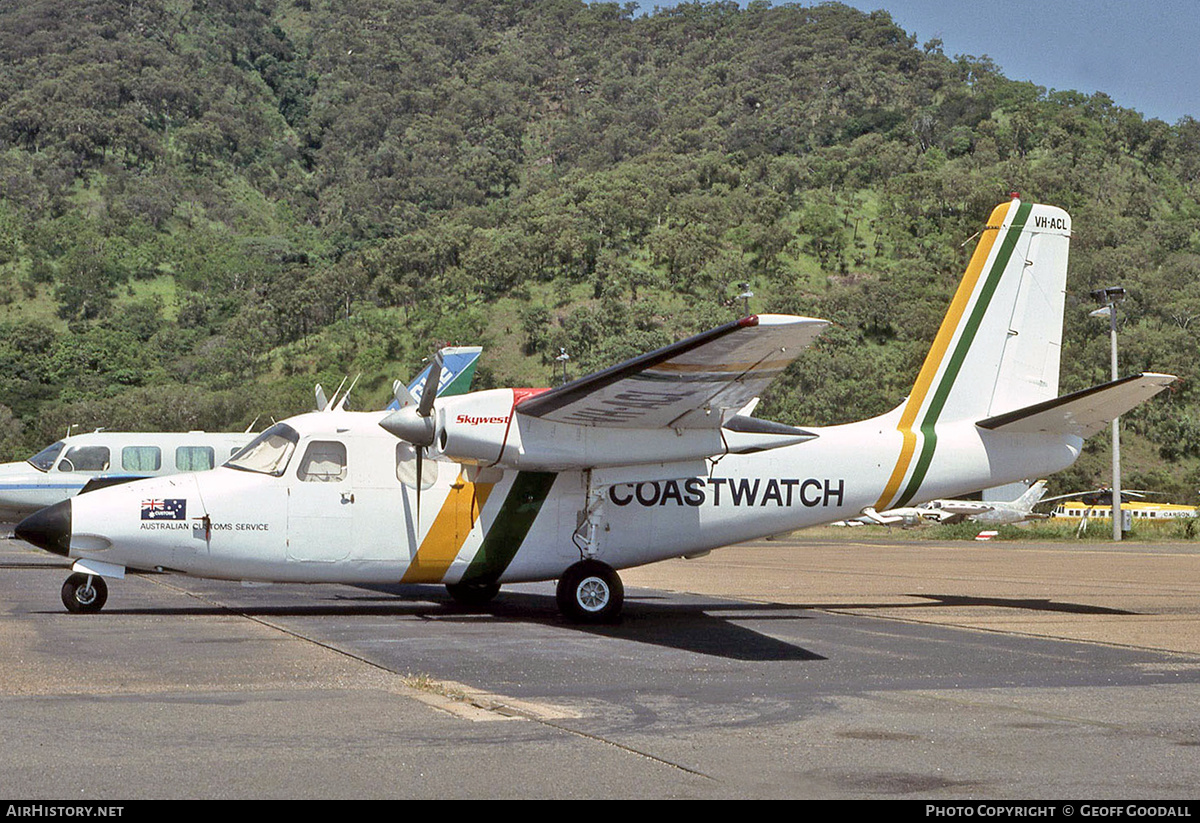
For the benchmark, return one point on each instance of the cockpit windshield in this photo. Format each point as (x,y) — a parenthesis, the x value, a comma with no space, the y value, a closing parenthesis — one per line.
(268,453)
(43,460)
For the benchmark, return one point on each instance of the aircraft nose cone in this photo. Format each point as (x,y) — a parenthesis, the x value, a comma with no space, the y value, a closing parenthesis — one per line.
(48,528)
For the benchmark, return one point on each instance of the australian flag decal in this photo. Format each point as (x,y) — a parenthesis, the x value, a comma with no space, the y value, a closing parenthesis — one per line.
(169,509)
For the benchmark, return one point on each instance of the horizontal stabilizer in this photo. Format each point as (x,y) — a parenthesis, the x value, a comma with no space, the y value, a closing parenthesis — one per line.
(1082,413)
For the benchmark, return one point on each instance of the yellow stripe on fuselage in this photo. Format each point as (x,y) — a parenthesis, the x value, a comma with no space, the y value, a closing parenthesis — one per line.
(449,531)
(941,344)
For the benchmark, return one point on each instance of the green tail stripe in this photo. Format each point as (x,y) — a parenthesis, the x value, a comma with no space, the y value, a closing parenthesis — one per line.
(954,365)
(460,384)
(512,524)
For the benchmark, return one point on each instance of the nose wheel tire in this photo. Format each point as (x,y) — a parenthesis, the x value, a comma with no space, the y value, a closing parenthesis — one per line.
(84,593)
(590,592)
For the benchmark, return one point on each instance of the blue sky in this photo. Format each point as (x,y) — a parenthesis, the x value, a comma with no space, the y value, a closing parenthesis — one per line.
(1144,55)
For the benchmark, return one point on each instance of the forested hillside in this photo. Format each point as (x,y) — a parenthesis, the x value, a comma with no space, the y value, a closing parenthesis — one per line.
(208,205)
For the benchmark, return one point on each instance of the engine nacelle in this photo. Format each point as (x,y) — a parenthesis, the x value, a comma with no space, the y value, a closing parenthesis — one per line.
(484,428)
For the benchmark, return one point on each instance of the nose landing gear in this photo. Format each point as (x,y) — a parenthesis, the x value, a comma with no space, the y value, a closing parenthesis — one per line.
(84,593)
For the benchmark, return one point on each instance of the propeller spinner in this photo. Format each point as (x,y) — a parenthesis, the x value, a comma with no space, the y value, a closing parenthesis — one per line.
(416,423)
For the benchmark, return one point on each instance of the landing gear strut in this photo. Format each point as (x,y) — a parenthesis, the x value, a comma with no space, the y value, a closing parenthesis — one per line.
(590,592)
(84,593)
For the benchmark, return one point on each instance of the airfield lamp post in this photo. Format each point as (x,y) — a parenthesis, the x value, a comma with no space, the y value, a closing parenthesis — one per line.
(1110,297)
(562,358)
(745,298)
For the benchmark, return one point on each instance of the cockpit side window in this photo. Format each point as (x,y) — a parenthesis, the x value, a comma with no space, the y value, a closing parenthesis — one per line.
(43,460)
(269,453)
(84,459)
(324,461)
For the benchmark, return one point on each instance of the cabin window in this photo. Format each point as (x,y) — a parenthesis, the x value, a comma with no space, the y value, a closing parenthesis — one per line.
(84,459)
(268,453)
(43,460)
(324,461)
(194,458)
(141,458)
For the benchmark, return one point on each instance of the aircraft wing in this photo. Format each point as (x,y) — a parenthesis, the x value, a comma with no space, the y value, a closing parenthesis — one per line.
(869,515)
(906,516)
(1082,413)
(695,383)
(961,507)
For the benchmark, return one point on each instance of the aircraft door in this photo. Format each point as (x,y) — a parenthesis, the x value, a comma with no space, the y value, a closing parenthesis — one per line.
(320,505)
(379,527)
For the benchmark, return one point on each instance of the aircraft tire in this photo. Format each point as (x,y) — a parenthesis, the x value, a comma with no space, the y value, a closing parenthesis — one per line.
(80,597)
(473,594)
(590,592)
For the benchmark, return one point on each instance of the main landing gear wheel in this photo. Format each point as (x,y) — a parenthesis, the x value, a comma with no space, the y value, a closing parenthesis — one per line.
(473,594)
(84,593)
(590,592)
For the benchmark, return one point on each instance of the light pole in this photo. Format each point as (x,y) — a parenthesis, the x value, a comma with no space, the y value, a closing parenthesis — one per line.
(1110,297)
(745,298)
(563,357)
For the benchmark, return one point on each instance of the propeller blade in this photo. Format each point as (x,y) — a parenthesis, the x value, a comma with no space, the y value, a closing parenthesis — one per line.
(420,466)
(429,392)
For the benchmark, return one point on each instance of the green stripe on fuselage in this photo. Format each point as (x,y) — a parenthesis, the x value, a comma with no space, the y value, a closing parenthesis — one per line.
(954,365)
(509,529)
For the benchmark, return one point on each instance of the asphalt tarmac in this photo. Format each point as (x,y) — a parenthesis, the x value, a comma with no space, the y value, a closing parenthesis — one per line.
(807,667)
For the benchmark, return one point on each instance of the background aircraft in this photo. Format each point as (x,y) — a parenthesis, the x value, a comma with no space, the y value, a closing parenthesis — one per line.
(1101,497)
(65,467)
(650,459)
(906,516)
(1098,503)
(949,510)
(994,512)
(81,461)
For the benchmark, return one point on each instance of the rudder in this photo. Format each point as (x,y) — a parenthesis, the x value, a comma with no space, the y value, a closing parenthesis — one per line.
(999,344)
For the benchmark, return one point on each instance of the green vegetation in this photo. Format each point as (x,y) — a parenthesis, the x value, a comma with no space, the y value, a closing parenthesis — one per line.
(208,206)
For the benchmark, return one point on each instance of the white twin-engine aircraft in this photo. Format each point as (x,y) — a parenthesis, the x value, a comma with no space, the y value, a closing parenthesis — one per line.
(655,458)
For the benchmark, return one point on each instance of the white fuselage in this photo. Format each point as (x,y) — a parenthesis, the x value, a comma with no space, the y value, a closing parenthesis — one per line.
(358,522)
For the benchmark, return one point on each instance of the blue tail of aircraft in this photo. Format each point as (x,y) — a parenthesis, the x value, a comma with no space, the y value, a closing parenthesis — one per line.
(458,369)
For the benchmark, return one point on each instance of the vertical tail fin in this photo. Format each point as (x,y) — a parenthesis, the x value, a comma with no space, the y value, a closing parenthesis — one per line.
(458,369)
(1029,499)
(998,346)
